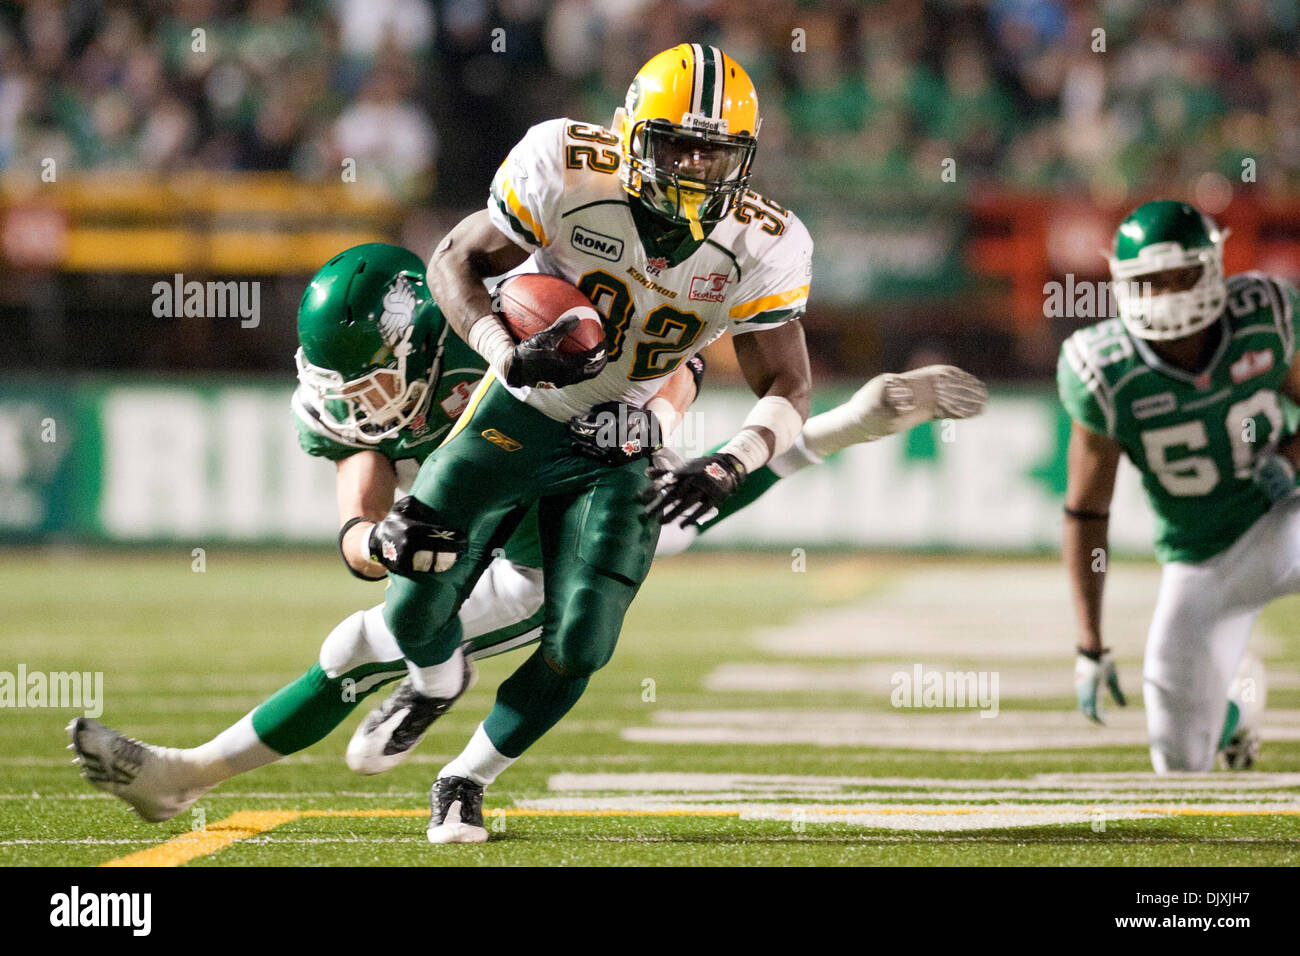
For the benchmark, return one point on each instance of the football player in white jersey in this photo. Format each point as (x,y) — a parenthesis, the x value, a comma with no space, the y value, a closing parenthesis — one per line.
(655,223)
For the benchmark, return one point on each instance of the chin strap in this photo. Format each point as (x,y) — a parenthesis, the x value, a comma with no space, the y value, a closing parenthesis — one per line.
(689,201)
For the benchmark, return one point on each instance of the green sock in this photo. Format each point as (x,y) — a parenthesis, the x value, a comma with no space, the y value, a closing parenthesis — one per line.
(299,714)
(1230,722)
(529,703)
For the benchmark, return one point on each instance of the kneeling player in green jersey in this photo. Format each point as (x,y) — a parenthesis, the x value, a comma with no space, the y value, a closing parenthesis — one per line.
(1188,383)
(381,383)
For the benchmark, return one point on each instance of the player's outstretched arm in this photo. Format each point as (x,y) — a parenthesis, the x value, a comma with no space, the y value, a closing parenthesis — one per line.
(365,485)
(1093,462)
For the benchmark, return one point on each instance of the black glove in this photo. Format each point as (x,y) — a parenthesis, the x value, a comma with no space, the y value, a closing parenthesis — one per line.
(615,433)
(410,540)
(538,361)
(697,365)
(693,490)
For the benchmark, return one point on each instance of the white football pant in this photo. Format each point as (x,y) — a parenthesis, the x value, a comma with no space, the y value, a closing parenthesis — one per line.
(1199,631)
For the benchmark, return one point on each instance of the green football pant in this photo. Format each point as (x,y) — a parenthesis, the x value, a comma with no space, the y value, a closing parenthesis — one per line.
(596,546)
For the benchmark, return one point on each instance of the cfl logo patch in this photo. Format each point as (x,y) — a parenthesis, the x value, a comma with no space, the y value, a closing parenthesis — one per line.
(715,471)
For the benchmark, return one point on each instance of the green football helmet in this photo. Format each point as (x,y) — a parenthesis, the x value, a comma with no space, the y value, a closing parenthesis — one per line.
(1166,270)
(368,355)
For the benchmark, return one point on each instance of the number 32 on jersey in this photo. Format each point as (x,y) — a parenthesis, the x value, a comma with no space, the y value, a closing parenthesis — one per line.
(675,331)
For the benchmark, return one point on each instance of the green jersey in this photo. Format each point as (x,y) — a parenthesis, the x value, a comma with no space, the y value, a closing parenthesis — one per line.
(458,370)
(1194,437)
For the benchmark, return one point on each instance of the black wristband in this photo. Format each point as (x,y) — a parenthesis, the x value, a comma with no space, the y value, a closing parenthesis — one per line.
(695,365)
(1086,515)
(1092,655)
(347,526)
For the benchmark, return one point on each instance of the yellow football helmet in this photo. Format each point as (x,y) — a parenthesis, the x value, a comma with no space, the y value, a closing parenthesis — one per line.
(689,128)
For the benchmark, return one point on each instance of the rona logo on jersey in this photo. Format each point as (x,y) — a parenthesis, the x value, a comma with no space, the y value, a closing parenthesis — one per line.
(598,244)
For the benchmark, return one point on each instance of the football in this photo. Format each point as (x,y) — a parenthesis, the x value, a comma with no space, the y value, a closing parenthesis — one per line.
(529,303)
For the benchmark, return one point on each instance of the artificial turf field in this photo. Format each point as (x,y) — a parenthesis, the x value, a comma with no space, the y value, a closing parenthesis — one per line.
(746,719)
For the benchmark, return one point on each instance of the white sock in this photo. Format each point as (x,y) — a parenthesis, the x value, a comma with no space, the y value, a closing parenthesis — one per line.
(798,456)
(235,750)
(439,680)
(480,761)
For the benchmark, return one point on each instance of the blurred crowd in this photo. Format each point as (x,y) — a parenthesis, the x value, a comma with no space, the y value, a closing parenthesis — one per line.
(425,97)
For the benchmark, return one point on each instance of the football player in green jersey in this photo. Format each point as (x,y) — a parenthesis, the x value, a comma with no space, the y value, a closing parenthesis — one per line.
(1189,383)
(381,382)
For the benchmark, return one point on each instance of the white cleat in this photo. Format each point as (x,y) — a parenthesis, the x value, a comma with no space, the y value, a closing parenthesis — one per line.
(151,779)
(390,732)
(456,812)
(957,393)
(895,402)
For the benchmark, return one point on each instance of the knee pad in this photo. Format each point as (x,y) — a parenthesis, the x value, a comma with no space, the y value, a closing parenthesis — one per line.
(359,639)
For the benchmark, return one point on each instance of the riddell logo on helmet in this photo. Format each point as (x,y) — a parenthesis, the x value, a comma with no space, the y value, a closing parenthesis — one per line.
(706,123)
(709,288)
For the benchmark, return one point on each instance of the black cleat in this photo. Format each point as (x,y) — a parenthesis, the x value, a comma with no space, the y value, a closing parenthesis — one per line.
(456,811)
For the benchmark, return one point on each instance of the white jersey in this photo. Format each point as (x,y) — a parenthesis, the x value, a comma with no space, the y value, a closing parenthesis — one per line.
(558,195)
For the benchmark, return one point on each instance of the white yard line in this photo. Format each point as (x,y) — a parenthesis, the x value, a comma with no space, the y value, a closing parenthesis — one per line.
(917,729)
(771,783)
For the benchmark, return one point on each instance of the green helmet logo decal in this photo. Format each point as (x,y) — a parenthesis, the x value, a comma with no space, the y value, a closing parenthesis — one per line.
(399,309)
(370,352)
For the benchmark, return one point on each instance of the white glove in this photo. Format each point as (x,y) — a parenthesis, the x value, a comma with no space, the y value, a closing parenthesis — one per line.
(1088,675)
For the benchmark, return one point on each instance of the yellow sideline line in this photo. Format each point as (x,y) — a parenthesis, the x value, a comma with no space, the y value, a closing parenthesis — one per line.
(218,836)
(249,823)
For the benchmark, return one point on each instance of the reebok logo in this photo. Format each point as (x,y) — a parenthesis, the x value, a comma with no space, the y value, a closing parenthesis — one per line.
(597,244)
(500,440)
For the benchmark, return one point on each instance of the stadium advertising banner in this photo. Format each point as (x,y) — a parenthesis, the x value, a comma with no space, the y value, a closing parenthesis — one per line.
(153,462)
